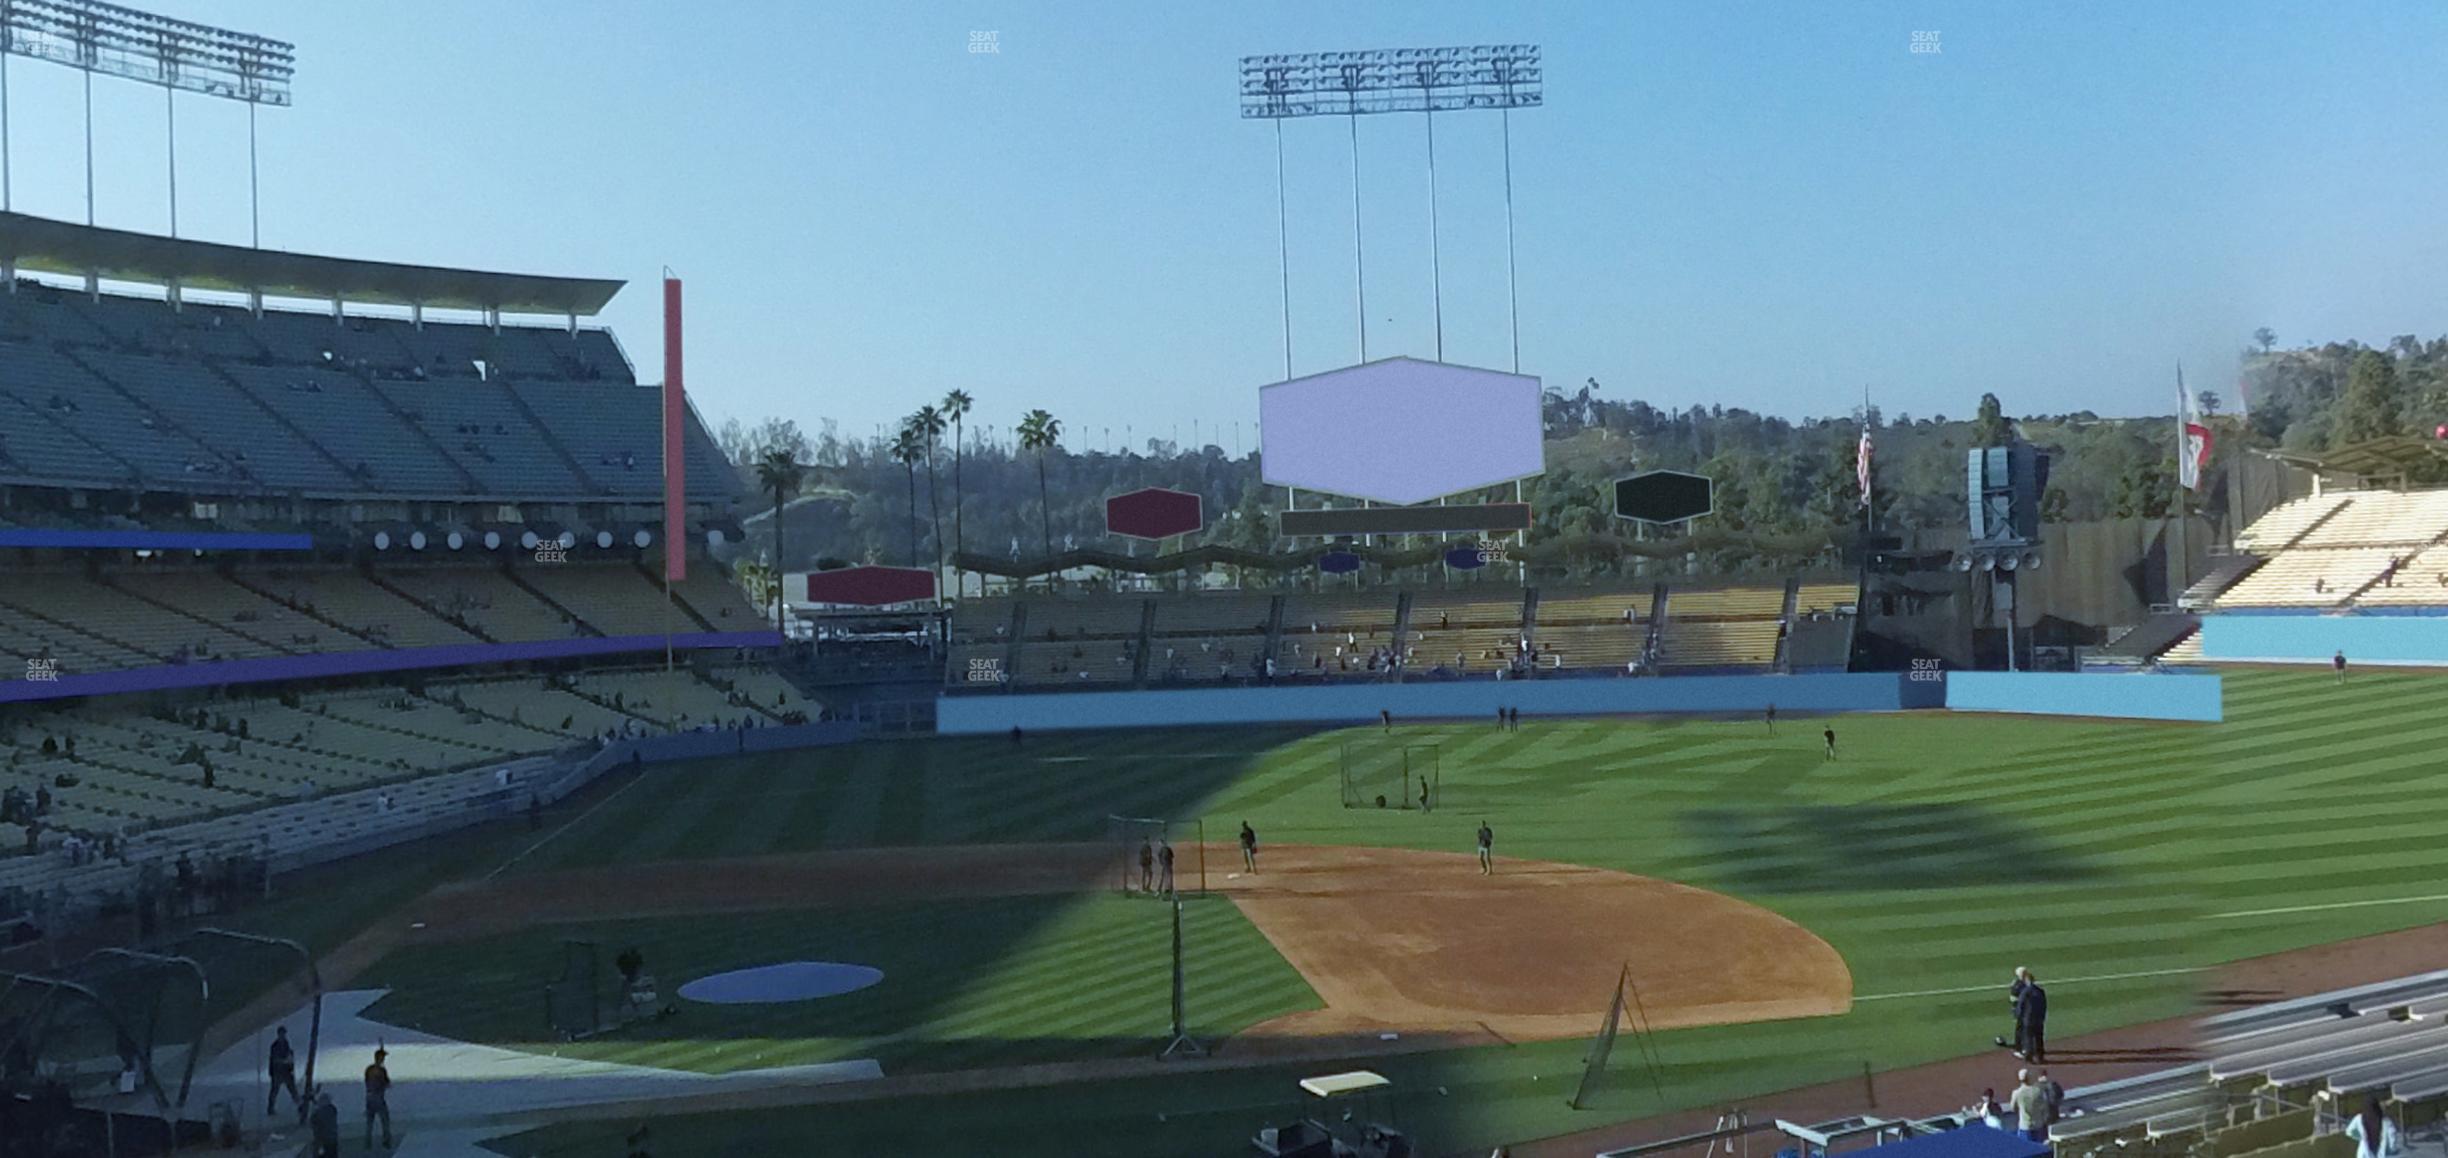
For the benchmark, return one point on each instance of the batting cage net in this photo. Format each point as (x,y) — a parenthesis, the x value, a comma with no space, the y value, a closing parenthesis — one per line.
(110,1040)
(1389,775)
(573,999)
(1139,844)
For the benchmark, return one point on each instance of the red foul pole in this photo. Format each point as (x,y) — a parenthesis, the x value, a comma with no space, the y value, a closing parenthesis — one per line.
(675,457)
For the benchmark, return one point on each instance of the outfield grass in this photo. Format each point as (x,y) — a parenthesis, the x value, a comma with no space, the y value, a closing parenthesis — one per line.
(1067,979)
(1936,855)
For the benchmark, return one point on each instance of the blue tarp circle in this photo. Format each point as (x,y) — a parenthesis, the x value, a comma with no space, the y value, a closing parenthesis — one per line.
(789,981)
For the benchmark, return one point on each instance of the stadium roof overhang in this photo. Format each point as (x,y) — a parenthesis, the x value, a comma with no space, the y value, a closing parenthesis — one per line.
(58,247)
(2391,457)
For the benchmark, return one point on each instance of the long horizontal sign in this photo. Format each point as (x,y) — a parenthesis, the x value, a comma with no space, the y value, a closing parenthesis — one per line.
(1407,520)
(75,540)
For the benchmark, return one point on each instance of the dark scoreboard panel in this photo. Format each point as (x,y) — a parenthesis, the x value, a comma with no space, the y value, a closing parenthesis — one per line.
(1406,520)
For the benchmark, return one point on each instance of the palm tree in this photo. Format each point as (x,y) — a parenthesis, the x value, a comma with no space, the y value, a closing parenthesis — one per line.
(1041,432)
(955,407)
(930,424)
(906,447)
(777,472)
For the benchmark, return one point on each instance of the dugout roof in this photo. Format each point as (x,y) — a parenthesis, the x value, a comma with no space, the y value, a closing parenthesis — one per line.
(59,247)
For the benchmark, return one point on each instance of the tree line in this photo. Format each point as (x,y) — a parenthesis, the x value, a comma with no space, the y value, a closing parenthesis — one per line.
(935,488)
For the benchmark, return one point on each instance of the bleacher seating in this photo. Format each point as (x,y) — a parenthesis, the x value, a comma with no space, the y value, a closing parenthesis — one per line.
(2280,525)
(2342,549)
(211,398)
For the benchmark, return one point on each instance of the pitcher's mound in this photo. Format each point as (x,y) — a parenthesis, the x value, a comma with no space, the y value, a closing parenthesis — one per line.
(1420,943)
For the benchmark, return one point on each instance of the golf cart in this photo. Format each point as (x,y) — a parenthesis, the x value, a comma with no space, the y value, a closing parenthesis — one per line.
(1358,1121)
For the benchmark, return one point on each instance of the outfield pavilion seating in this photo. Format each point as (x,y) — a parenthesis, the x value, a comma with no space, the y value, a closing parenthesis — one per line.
(1481,623)
(2421,581)
(980,631)
(1078,640)
(1818,598)
(2363,548)
(2281,525)
(2309,577)
(1718,643)
(2384,518)
(1211,614)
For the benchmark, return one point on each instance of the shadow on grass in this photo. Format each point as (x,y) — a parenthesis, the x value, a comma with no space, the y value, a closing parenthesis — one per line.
(1848,847)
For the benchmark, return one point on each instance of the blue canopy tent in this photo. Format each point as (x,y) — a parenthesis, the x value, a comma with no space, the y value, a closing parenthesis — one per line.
(1974,1141)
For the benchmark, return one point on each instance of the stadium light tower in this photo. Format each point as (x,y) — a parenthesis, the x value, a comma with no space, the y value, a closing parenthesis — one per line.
(1503,77)
(92,37)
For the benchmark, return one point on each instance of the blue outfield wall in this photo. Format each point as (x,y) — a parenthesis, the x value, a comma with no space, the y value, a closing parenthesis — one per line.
(2151,697)
(2120,695)
(1360,703)
(2389,639)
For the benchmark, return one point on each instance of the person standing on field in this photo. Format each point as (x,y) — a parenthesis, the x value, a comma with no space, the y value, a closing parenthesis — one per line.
(281,1069)
(1487,849)
(1829,734)
(378,1099)
(1164,861)
(1147,866)
(2031,1017)
(2337,663)
(1249,847)
(2014,1003)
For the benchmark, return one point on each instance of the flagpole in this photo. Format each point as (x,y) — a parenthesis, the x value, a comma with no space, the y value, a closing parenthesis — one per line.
(2177,561)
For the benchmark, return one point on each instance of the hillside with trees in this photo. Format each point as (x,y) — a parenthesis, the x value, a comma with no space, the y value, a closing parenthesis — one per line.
(939,485)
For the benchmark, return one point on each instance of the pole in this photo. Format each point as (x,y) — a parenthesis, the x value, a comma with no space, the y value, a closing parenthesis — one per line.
(1512,296)
(89,208)
(1359,270)
(1283,247)
(1436,271)
(2177,562)
(7,199)
(170,117)
(254,195)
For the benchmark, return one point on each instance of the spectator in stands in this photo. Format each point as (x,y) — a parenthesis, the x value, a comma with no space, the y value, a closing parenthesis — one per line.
(2031,1107)
(1986,1111)
(2374,1134)
(2055,1094)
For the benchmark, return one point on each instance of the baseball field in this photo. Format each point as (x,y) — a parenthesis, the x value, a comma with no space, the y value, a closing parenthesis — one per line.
(1788,919)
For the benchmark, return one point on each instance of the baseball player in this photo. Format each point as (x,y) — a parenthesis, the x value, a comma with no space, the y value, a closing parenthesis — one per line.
(1147,866)
(1249,847)
(281,1067)
(1487,849)
(1164,860)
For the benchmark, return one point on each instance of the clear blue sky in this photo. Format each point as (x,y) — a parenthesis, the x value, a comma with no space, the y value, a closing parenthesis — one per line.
(1770,207)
